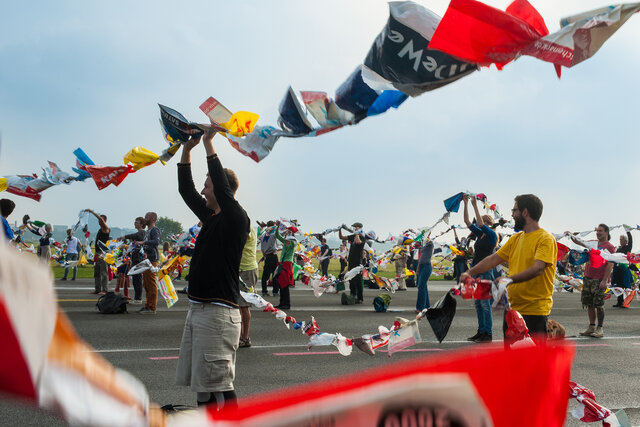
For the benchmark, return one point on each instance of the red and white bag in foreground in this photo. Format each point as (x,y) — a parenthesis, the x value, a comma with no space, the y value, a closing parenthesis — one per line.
(46,363)
(466,387)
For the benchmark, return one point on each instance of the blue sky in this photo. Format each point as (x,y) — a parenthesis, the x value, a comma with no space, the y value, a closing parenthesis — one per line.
(90,75)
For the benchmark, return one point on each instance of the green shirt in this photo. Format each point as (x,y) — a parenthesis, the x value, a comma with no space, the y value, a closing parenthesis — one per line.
(288,248)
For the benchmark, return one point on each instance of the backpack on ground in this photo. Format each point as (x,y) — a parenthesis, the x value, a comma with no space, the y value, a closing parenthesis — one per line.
(112,303)
(381,303)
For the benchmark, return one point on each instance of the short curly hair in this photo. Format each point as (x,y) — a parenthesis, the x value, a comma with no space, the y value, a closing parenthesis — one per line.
(531,203)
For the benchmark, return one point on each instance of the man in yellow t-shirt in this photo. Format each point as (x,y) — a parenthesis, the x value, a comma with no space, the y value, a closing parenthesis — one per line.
(249,276)
(531,254)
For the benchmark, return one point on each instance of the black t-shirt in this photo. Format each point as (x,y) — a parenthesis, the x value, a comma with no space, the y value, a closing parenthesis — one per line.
(101,237)
(46,239)
(324,248)
(355,250)
(482,249)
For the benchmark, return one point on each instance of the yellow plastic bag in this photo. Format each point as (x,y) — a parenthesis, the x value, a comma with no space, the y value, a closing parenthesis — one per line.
(241,123)
(455,250)
(140,157)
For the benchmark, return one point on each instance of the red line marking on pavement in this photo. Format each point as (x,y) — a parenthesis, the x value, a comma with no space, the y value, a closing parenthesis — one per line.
(164,358)
(306,353)
(593,345)
(312,353)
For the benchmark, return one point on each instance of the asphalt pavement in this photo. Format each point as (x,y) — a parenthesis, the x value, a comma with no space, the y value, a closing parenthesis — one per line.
(147,345)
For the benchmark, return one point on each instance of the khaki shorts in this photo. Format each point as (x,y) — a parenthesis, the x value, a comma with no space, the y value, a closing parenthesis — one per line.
(207,361)
(250,278)
(592,295)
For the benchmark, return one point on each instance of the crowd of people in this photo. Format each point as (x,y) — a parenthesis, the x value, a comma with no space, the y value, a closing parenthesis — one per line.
(224,261)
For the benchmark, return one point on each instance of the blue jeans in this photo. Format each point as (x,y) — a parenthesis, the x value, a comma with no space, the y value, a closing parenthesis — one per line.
(71,257)
(424,272)
(485,320)
(483,307)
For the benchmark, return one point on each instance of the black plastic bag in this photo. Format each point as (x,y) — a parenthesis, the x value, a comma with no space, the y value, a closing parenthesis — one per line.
(441,315)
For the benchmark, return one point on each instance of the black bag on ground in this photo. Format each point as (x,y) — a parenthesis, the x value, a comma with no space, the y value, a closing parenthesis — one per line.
(112,303)
(347,299)
(410,281)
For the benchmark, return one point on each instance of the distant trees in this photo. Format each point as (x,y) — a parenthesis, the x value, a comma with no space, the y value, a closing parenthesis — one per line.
(167,227)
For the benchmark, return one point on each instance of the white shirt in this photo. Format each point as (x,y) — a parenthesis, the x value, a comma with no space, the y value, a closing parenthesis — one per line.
(72,245)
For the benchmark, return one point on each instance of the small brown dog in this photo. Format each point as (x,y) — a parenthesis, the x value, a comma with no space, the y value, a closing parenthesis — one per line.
(555,331)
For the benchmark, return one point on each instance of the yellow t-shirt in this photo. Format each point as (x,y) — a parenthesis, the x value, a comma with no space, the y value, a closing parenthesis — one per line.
(533,297)
(248,261)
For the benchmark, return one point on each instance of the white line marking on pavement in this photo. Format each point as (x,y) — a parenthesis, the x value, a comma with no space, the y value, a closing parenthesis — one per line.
(129,350)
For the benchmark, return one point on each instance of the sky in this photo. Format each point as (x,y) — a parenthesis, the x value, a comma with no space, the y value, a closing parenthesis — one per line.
(90,75)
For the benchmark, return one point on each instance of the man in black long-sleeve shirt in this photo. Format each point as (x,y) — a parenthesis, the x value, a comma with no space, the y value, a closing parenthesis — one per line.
(212,328)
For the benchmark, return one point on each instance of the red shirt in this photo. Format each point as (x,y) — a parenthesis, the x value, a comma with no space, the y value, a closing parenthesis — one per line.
(598,273)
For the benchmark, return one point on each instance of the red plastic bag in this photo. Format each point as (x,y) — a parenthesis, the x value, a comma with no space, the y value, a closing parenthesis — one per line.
(516,326)
(467,288)
(483,289)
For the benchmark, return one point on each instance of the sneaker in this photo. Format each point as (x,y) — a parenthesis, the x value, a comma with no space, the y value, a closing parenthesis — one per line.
(283,307)
(616,305)
(73,278)
(591,329)
(64,278)
(265,294)
(145,310)
(598,333)
(484,337)
(359,301)
(475,337)
(244,343)
(136,301)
